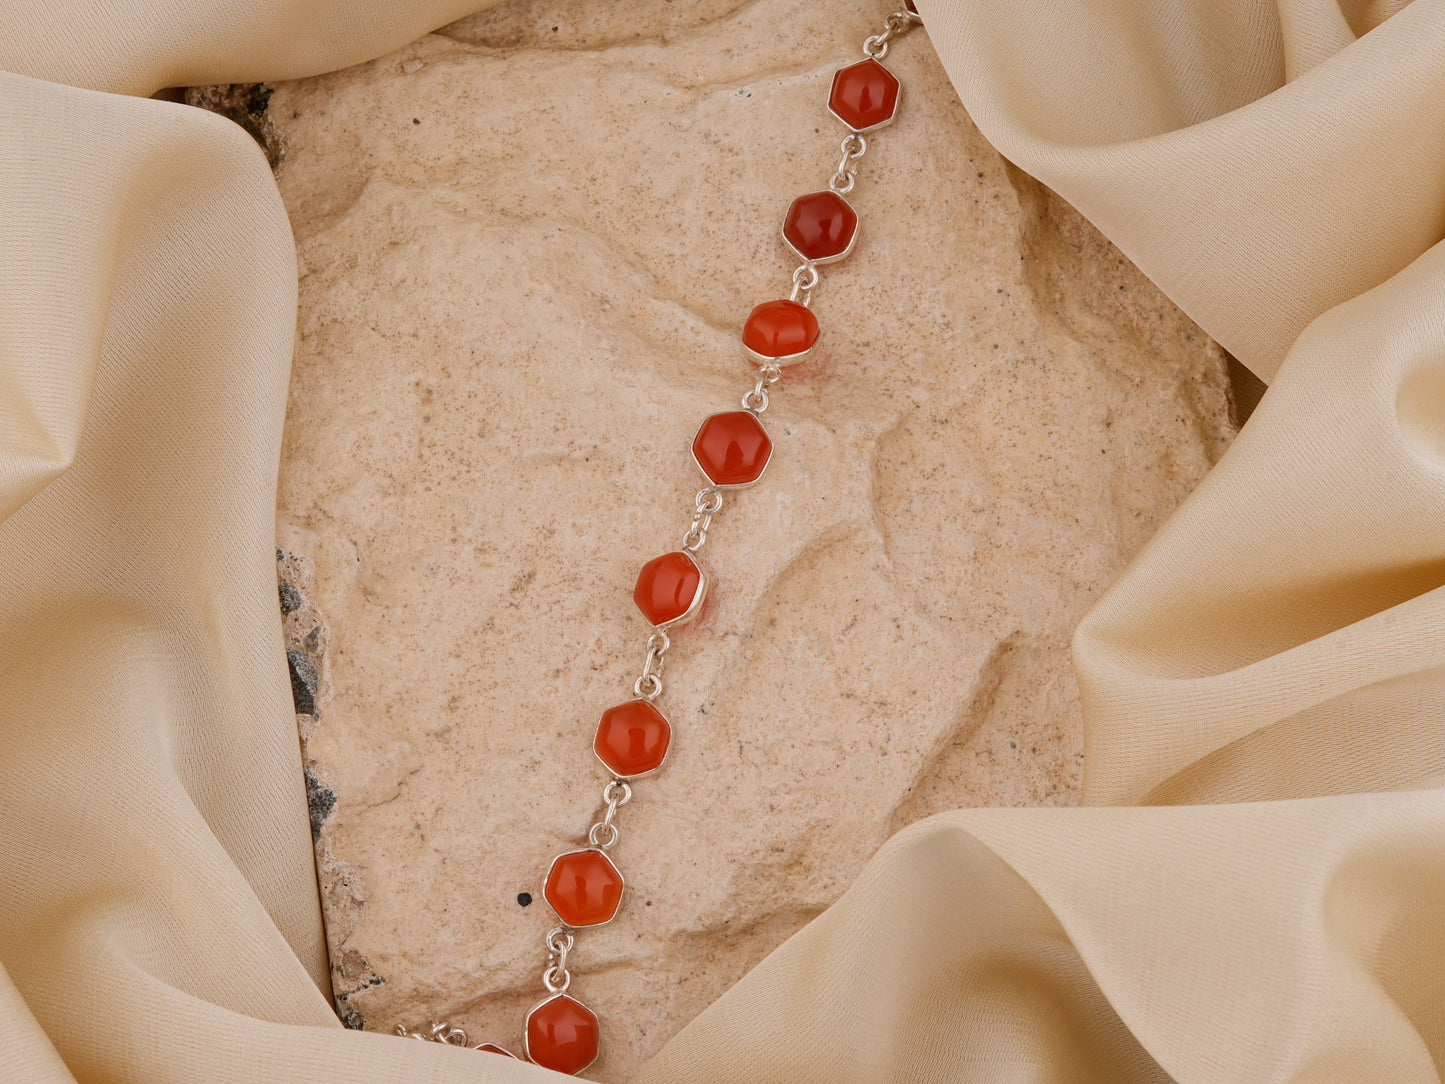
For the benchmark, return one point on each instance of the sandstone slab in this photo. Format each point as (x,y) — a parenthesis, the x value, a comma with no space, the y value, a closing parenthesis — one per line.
(528,243)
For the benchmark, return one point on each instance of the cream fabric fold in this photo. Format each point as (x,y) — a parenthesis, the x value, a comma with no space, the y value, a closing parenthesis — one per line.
(1258,894)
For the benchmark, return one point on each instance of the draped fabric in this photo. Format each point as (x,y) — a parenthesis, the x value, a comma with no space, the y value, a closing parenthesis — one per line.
(1255,888)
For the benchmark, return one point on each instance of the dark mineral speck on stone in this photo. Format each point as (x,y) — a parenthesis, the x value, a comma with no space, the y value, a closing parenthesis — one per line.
(303,681)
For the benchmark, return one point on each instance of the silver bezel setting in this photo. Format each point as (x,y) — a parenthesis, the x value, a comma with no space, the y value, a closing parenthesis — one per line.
(620,878)
(691,612)
(639,775)
(853,240)
(692,451)
(784,361)
(527,1026)
(897,101)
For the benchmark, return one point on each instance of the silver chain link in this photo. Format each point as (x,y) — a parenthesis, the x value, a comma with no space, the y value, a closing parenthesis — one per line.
(559,942)
(648,685)
(616,794)
(853,147)
(706,504)
(895,26)
(756,400)
(805,281)
(437,1033)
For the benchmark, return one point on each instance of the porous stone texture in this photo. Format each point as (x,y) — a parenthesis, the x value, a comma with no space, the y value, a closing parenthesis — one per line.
(527,244)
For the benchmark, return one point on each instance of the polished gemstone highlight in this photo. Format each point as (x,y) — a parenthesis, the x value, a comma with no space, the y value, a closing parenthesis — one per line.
(563,1035)
(782,331)
(820,226)
(584,888)
(732,449)
(864,95)
(632,739)
(669,589)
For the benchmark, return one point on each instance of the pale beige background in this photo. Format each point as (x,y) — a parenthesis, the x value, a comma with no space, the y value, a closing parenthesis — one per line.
(1253,888)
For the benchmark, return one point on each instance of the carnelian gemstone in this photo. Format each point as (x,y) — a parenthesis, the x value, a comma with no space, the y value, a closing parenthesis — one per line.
(493,1048)
(820,225)
(732,449)
(563,1035)
(632,738)
(584,888)
(864,95)
(667,587)
(780,329)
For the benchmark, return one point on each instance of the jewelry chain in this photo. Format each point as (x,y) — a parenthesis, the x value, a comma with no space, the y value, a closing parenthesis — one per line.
(603,834)
(555,977)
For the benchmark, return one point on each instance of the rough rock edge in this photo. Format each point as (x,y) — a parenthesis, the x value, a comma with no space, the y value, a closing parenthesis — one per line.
(307,639)
(246,104)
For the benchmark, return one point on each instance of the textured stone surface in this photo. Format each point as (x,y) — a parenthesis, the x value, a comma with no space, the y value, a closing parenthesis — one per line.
(527,245)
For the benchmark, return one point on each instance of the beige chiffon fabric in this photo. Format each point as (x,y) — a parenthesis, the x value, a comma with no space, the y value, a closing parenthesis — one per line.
(1255,889)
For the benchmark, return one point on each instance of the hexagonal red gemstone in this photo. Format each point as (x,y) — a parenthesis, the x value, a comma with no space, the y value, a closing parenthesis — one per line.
(667,587)
(584,888)
(732,449)
(632,738)
(820,225)
(780,329)
(864,95)
(563,1035)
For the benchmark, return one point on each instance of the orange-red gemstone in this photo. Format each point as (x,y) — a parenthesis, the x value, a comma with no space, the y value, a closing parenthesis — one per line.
(583,887)
(864,95)
(780,329)
(732,449)
(493,1048)
(632,738)
(563,1035)
(667,587)
(820,225)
